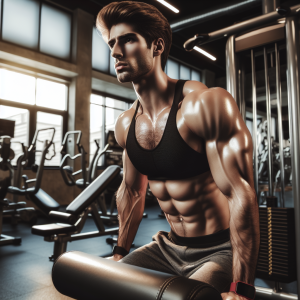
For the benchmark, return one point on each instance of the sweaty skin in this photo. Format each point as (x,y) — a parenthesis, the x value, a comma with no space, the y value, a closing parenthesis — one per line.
(208,120)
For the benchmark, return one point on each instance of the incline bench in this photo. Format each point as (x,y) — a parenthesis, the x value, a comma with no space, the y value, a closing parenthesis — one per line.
(72,221)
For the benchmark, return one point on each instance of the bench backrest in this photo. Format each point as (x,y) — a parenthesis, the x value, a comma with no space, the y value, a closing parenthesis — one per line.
(98,186)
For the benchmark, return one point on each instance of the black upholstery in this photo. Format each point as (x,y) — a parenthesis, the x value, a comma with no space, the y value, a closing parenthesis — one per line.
(50,229)
(84,200)
(83,276)
(88,196)
(59,216)
(41,199)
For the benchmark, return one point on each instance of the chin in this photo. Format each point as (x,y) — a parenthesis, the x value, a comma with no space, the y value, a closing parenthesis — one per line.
(124,77)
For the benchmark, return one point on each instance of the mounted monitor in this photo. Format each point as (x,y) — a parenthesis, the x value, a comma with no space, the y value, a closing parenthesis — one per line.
(7,127)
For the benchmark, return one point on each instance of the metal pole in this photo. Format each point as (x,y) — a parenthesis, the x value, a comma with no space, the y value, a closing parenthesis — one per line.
(254,130)
(279,114)
(293,60)
(231,68)
(269,5)
(269,120)
(256,22)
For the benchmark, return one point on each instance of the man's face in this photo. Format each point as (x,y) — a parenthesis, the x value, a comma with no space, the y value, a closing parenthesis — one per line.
(130,49)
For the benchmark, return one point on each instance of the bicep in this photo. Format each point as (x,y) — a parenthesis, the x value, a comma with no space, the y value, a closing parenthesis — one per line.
(231,163)
(132,177)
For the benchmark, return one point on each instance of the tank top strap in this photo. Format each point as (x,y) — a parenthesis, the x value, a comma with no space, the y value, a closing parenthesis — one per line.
(136,110)
(177,96)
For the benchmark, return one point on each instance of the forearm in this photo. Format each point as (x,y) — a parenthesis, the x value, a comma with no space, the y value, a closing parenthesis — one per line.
(245,237)
(130,204)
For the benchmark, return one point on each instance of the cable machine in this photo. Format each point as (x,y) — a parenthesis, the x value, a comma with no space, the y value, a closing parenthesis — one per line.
(267,95)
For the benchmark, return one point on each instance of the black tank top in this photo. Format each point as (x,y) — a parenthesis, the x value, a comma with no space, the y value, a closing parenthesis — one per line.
(172,158)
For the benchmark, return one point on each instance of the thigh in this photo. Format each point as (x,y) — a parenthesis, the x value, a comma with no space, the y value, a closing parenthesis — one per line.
(216,272)
(149,257)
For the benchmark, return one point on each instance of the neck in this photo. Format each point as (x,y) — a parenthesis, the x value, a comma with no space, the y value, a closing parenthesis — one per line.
(155,91)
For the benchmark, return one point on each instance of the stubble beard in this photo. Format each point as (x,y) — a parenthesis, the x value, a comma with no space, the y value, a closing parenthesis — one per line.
(134,73)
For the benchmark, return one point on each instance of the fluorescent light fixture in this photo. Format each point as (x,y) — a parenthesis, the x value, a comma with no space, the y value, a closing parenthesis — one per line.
(204,52)
(169,6)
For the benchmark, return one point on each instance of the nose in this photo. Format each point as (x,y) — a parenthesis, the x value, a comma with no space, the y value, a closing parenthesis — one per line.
(116,51)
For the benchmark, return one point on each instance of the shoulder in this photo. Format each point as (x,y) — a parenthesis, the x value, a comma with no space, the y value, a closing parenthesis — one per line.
(211,109)
(123,123)
(192,87)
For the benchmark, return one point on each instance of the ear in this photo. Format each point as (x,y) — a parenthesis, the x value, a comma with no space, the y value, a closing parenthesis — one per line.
(158,47)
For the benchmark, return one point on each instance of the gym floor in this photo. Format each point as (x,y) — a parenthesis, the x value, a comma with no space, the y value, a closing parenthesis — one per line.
(26,270)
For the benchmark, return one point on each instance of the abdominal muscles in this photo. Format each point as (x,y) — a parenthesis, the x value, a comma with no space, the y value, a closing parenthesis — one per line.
(193,206)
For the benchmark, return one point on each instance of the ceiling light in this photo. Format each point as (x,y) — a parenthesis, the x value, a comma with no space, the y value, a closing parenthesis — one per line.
(204,52)
(169,6)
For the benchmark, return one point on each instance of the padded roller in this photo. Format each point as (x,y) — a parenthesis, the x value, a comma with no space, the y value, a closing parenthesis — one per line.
(83,276)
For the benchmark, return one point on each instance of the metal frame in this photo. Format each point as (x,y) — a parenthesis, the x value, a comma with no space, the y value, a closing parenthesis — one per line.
(260,21)
(293,78)
(231,81)
(61,240)
(293,57)
(254,128)
(268,107)
(279,117)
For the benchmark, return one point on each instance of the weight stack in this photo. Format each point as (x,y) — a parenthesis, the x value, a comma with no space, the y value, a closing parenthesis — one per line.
(277,254)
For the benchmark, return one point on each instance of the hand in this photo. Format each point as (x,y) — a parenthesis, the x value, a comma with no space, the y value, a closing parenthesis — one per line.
(232,296)
(115,257)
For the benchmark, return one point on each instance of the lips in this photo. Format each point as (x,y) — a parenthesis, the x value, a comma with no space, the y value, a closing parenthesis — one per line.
(119,66)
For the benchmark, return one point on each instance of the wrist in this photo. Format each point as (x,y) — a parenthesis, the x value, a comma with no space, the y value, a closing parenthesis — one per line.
(120,251)
(243,289)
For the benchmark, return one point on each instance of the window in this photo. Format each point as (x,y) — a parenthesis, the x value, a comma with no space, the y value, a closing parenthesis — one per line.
(195,75)
(36,25)
(104,112)
(21,22)
(34,103)
(185,72)
(21,118)
(100,53)
(45,120)
(55,32)
(101,56)
(177,70)
(96,122)
(51,94)
(172,69)
(113,109)
(25,93)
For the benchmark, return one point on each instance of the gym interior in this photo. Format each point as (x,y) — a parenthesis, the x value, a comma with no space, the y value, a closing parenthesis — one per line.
(60,163)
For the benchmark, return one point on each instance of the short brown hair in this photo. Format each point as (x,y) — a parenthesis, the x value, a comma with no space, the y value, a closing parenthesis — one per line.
(147,20)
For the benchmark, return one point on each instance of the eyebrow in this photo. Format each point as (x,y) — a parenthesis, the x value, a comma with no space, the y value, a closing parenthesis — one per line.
(120,37)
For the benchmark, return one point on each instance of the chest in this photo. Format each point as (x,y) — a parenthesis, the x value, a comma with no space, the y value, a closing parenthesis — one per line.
(149,132)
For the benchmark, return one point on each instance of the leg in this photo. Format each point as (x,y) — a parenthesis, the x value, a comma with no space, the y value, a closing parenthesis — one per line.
(149,257)
(216,274)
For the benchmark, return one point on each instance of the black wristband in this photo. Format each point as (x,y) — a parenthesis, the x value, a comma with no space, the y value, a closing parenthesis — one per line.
(120,250)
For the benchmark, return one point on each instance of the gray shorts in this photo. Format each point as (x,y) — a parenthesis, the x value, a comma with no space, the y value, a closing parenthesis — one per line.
(169,253)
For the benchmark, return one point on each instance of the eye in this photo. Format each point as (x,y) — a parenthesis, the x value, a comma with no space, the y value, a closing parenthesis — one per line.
(128,39)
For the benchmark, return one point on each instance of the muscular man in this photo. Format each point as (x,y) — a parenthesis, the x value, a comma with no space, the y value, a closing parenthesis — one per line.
(191,145)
